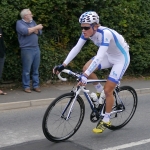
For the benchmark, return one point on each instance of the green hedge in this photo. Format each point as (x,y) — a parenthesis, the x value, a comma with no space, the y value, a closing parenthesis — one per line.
(62,30)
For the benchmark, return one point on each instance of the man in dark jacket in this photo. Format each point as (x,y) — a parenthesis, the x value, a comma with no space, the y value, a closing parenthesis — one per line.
(2,56)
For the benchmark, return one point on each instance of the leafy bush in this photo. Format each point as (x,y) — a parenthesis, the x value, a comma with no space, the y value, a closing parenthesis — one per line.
(62,30)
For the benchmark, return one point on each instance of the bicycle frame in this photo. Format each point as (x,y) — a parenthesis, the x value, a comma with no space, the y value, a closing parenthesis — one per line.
(82,88)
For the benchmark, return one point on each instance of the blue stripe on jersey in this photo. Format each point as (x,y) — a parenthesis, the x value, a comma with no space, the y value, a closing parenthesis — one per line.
(104,44)
(99,66)
(113,80)
(82,37)
(102,32)
(122,50)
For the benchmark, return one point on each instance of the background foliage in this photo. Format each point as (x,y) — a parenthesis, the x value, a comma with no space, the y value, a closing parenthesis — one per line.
(62,30)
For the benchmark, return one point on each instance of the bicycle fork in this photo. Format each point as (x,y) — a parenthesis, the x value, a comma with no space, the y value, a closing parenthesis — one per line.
(71,101)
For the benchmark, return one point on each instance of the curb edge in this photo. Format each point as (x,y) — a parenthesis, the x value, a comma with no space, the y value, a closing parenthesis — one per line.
(42,102)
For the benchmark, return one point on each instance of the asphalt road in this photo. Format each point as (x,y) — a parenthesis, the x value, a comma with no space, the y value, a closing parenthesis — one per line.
(21,129)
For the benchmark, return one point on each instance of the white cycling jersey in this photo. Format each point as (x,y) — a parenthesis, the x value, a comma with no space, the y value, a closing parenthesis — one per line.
(113,52)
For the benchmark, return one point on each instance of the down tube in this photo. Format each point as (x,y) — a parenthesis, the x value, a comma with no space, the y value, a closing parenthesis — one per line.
(89,100)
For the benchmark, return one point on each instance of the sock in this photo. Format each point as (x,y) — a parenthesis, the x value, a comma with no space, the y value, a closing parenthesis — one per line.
(106,117)
(99,88)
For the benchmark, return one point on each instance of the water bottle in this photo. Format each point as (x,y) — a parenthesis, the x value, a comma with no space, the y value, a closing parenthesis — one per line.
(94,99)
(102,97)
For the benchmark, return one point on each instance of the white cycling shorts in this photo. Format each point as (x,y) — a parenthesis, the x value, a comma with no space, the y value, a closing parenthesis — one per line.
(118,64)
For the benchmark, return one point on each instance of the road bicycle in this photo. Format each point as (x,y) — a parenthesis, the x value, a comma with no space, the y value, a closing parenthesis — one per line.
(65,114)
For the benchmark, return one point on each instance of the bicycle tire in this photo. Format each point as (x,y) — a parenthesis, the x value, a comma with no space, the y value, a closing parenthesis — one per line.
(54,125)
(126,94)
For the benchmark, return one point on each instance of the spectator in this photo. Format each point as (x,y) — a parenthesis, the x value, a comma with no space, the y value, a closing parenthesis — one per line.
(28,32)
(2,56)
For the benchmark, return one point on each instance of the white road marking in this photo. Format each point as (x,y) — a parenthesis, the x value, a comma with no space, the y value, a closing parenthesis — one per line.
(128,145)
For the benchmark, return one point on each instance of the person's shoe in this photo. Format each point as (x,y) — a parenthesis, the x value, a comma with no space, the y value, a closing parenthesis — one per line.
(101,127)
(37,89)
(2,93)
(27,90)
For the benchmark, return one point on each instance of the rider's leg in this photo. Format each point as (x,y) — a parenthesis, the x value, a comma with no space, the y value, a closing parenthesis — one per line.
(104,64)
(116,74)
(108,89)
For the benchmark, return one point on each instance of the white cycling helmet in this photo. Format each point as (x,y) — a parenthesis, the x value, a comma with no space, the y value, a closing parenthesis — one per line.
(89,17)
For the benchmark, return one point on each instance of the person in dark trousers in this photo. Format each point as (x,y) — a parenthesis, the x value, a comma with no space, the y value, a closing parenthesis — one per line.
(28,32)
(2,56)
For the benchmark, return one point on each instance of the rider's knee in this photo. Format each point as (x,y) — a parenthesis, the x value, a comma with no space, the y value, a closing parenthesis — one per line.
(108,91)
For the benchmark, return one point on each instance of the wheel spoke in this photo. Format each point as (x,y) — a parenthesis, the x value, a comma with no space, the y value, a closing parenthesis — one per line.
(55,125)
(128,106)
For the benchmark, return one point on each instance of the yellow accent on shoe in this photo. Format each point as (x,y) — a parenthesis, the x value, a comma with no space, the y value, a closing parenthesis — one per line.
(101,127)
(98,95)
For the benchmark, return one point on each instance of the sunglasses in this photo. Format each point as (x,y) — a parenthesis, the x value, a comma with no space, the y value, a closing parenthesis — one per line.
(85,28)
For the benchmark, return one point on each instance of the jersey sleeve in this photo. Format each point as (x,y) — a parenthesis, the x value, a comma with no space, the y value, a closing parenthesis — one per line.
(75,50)
(103,47)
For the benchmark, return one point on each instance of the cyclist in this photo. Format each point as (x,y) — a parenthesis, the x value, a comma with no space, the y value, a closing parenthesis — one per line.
(113,52)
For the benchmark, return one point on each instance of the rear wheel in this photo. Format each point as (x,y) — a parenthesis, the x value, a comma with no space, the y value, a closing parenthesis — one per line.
(55,125)
(127,107)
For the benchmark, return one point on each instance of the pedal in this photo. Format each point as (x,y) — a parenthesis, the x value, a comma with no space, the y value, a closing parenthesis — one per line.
(93,117)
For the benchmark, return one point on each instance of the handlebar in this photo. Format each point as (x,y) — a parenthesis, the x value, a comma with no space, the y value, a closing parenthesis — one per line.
(67,72)
(77,75)
(73,74)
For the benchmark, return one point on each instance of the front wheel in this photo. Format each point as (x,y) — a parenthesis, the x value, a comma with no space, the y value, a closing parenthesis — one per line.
(125,105)
(56,126)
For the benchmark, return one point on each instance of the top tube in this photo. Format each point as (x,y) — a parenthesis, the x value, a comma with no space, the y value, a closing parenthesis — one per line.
(77,75)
